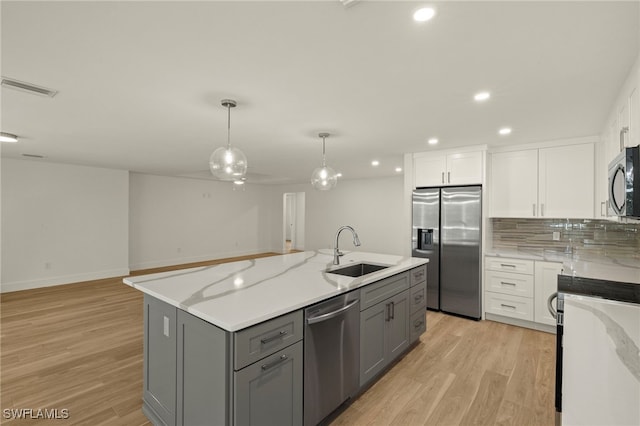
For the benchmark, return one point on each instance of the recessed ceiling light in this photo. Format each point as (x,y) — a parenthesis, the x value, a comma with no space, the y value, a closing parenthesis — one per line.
(398,169)
(504,131)
(482,96)
(8,137)
(424,14)
(432,141)
(339,174)
(375,163)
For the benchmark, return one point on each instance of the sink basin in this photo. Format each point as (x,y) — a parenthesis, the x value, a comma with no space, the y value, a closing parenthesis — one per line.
(357,269)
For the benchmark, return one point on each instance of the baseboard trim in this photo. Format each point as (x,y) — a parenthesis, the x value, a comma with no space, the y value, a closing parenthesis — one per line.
(521,323)
(193,259)
(65,279)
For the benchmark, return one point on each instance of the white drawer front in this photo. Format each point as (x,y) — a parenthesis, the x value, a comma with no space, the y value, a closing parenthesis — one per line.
(519,266)
(509,283)
(509,306)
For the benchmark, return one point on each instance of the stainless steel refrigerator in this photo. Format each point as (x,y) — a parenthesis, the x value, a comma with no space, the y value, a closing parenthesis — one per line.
(447,229)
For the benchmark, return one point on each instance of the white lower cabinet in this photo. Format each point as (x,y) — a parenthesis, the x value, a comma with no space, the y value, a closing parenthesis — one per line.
(510,306)
(546,283)
(518,289)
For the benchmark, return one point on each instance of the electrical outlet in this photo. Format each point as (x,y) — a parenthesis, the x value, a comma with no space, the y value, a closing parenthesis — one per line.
(556,236)
(179,250)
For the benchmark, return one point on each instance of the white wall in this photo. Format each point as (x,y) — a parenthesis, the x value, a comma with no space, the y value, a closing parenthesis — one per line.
(180,220)
(374,207)
(62,223)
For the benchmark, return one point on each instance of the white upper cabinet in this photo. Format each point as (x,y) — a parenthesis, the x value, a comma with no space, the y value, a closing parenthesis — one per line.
(437,169)
(622,129)
(513,184)
(552,182)
(565,178)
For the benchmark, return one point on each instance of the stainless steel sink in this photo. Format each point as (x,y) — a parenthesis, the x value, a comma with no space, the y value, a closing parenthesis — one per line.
(357,269)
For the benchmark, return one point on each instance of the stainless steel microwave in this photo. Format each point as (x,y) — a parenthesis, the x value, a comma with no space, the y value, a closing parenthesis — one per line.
(624,183)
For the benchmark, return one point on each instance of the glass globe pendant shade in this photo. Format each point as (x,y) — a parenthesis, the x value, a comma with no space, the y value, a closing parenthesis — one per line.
(324,178)
(228,163)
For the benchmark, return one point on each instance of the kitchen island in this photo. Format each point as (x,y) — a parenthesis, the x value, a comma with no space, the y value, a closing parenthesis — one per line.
(224,344)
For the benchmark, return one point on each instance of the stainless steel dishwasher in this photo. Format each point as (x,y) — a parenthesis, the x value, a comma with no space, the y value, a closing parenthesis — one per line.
(331,355)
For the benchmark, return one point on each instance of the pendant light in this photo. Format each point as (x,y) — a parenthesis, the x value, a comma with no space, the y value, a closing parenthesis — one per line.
(227,163)
(324,178)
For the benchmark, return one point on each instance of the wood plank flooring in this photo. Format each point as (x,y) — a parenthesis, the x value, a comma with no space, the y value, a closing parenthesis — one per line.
(79,347)
(464,372)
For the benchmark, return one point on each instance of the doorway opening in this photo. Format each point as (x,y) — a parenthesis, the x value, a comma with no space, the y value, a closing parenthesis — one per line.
(293,222)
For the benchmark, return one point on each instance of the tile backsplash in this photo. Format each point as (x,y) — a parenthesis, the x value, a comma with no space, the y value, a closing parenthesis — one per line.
(580,239)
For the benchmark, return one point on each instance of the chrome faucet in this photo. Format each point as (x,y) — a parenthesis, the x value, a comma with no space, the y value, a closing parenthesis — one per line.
(336,251)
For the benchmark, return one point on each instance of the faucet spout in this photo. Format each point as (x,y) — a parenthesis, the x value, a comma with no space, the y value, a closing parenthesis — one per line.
(336,251)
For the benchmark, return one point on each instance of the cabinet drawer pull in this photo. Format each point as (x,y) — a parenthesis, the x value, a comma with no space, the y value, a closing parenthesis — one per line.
(274,363)
(442,177)
(388,313)
(417,323)
(534,210)
(393,310)
(603,204)
(418,297)
(507,283)
(272,338)
(542,209)
(448,177)
(507,265)
(507,306)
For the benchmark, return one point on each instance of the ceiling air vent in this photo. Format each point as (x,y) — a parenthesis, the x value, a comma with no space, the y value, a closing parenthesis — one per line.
(28,87)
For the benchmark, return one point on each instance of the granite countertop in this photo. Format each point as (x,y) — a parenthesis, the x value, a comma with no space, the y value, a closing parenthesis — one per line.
(603,269)
(240,294)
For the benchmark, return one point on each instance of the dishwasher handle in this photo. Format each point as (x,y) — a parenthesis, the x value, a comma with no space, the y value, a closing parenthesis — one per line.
(328,316)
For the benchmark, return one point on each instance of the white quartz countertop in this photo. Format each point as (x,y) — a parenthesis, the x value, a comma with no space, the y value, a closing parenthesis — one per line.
(240,294)
(603,269)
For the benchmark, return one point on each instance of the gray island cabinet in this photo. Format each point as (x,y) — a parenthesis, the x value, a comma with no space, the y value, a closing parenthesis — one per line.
(198,374)
(205,369)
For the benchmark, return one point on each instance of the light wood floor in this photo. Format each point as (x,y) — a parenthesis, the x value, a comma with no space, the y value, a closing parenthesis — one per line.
(465,372)
(79,347)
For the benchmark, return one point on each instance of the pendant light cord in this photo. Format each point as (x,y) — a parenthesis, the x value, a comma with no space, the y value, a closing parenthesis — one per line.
(324,160)
(228,126)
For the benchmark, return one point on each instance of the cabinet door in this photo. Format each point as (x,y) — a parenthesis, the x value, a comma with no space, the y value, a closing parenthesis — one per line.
(624,131)
(269,392)
(545,283)
(160,359)
(566,176)
(634,109)
(398,328)
(204,368)
(373,341)
(601,177)
(514,183)
(429,170)
(464,168)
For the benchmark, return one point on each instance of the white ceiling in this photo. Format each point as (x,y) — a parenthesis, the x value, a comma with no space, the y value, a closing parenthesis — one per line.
(140,83)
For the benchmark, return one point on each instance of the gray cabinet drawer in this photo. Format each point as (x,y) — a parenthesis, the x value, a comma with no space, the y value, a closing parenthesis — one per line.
(254,343)
(418,275)
(417,325)
(418,299)
(383,289)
